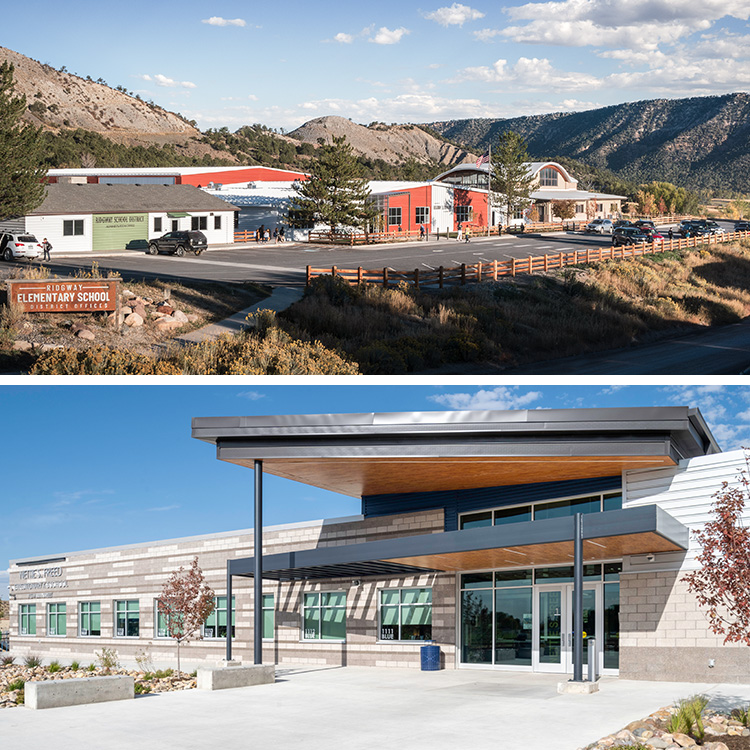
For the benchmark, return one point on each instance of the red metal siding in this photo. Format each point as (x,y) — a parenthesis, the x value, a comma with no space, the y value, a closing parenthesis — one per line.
(251,174)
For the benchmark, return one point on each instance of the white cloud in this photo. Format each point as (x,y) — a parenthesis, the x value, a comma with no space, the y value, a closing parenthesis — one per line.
(487,35)
(529,73)
(456,15)
(500,397)
(162,80)
(343,38)
(251,395)
(162,508)
(219,21)
(386,36)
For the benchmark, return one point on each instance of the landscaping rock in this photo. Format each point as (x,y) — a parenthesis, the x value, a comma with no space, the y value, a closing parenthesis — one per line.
(50,347)
(126,309)
(166,309)
(133,320)
(22,346)
(167,323)
(179,315)
(683,740)
(193,318)
(86,334)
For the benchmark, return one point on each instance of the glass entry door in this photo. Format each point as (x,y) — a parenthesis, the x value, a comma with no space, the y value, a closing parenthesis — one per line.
(554,632)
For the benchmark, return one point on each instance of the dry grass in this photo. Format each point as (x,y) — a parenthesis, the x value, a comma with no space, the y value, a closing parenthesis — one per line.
(505,323)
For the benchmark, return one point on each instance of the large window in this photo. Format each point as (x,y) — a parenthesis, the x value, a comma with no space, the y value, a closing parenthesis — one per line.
(406,614)
(90,618)
(72,227)
(464,214)
(127,618)
(268,617)
(199,222)
(549,177)
(217,222)
(56,619)
(422,214)
(158,224)
(324,616)
(216,623)
(537,511)
(27,619)
(394,216)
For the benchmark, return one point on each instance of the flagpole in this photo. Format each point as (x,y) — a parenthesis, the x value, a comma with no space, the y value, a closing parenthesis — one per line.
(489,188)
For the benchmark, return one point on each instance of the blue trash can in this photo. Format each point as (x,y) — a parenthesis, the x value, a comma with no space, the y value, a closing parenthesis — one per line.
(430,658)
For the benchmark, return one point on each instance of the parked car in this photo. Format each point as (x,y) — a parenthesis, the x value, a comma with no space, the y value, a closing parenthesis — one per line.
(600,226)
(642,223)
(178,243)
(629,236)
(742,226)
(623,223)
(24,245)
(693,228)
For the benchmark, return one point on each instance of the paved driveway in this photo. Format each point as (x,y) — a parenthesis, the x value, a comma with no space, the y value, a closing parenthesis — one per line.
(356,707)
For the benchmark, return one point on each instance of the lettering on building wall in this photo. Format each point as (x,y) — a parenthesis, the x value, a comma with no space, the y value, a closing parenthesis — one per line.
(38,583)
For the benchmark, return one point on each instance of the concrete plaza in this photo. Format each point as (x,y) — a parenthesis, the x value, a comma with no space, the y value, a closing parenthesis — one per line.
(360,707)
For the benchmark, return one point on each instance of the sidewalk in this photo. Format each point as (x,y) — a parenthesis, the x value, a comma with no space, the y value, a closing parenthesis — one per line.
(281,298)
(362,708)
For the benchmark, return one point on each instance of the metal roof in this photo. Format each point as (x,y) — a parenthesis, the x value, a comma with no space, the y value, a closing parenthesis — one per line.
(66,198)
(385,453)
(606,535)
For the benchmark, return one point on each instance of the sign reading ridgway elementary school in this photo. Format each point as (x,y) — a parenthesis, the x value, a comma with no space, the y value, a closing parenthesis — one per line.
(77,295)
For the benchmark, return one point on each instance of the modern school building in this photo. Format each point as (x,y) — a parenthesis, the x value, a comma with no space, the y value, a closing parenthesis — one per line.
(476,530)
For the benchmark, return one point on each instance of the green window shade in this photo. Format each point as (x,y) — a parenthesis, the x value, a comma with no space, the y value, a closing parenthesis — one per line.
(127,618)
(311,623)
(91,619)
(28,619)
(334,624)
(406,614)
(56,622)
(416,596)
(389,597)
(268,616)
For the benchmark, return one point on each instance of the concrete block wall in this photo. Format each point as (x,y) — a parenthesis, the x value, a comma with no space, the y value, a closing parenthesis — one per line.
(664,635)
(138,572)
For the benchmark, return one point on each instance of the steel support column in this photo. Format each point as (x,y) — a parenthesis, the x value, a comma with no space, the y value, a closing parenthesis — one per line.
(229,615)
(578,598)
(258,566)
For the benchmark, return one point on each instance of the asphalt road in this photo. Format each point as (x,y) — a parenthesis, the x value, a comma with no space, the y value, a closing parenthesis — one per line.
(285,264)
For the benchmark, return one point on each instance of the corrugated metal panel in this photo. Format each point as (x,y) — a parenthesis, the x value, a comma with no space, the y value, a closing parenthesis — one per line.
(461,501)
(686,492)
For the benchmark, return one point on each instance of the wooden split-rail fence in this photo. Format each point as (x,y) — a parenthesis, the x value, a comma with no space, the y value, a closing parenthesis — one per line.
(493,270)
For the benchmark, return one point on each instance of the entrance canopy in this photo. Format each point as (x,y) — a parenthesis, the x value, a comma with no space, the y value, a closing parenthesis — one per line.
(610,534)
(379,454)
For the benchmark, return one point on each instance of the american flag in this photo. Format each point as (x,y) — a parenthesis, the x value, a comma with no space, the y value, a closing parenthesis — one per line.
(483,159)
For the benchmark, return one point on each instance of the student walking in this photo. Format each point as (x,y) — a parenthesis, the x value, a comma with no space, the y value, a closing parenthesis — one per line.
(46,247)
(459,235)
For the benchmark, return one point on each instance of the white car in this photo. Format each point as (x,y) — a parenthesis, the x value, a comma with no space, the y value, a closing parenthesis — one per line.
(601,226)
(24,245)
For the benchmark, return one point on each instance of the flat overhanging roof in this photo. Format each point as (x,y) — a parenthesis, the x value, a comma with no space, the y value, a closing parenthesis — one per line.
(607,535)
(386,453)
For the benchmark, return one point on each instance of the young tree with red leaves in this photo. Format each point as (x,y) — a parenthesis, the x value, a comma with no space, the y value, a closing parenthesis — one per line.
(186,601)
(721,583)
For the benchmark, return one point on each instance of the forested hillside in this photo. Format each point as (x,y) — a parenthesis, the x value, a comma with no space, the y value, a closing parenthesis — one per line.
(700,143)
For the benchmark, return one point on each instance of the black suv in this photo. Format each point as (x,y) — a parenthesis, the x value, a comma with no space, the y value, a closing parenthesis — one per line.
(629,236)
(177,243)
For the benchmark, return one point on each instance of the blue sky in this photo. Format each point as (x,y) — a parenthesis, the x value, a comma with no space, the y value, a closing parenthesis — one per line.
(281,64)
(88,466)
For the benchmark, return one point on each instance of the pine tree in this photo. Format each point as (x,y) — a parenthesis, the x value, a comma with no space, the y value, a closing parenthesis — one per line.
(512,182)
(21,169)
(336,192)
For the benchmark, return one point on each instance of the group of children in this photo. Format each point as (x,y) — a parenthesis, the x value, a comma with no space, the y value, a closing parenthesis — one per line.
(263,234)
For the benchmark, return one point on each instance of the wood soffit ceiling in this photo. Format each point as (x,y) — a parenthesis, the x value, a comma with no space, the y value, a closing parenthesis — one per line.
(358,477)
(544,554)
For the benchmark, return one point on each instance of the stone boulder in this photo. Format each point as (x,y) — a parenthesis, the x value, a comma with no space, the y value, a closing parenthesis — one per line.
(133,320)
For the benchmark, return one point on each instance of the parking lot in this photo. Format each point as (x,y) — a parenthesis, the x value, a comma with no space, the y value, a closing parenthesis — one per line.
(284,264)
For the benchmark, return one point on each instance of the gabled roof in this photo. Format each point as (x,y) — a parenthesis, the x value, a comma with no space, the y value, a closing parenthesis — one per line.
(83,199)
